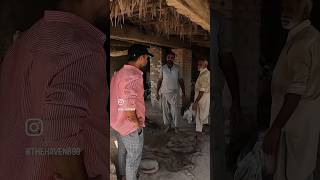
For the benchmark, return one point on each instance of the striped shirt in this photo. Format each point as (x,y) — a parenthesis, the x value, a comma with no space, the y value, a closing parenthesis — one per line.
(126,94)
(53,99)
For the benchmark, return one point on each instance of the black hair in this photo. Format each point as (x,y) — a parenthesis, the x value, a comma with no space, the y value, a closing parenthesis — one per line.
(172,53)
(203,58)
(133,59)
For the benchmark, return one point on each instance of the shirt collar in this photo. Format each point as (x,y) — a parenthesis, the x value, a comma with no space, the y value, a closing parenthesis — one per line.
(126,66)
(293,32)
(75,20)
(173,66)
(203,70)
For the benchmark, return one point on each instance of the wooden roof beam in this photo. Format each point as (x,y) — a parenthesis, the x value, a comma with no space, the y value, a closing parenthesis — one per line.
(197,10)
(119,53)
(132,34)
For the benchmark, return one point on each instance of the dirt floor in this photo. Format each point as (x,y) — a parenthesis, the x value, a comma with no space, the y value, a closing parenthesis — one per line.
(180,155)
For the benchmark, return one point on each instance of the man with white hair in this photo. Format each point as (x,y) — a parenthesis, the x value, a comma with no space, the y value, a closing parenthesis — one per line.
(292,140)
(202,95)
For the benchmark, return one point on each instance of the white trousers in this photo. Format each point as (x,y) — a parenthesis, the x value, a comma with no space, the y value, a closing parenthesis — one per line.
(297,156)
(203,110)
(170,109)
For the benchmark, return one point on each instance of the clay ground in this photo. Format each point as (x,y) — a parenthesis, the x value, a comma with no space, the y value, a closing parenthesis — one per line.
(180,155)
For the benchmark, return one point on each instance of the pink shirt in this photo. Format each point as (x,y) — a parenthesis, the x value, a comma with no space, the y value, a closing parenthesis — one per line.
(126,94)
(55,73)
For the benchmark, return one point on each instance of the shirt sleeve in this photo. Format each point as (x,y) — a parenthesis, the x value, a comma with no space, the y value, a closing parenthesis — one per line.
(204,83)
(299,67)
(132,90)
(66,109)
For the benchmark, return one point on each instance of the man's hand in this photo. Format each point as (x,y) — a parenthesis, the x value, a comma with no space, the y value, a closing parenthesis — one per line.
(271,141)
(132,116)
(137,124)
(195,106)
(235,115)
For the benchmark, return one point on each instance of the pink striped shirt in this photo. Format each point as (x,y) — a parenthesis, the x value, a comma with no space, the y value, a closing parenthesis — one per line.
(126,94)
(53,85)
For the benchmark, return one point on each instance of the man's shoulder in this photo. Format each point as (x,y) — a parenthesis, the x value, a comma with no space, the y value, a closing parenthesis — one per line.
(128,72)
(311,32)
(176,66)
(59,38)
(164,67)
(314,35)
(205,73)
(306,39)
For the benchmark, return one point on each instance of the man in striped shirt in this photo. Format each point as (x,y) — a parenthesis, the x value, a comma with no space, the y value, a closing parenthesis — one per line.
(53,97)
(127,111)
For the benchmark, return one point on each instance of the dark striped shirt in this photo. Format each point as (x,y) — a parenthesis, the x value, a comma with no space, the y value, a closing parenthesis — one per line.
(53,85)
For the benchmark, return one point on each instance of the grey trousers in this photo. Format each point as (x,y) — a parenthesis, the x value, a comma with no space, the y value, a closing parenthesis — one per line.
(129,153)
(170,109)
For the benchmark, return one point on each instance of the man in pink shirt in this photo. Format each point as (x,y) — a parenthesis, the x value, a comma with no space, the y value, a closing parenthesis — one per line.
(53,97)
(127,111)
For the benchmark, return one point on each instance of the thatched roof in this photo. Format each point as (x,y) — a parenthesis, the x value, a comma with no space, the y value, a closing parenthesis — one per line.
(163,17)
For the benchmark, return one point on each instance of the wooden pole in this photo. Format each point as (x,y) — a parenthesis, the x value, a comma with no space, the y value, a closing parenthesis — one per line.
(217,148)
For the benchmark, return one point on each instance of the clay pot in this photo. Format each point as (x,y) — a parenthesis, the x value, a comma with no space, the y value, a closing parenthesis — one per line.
(149,166)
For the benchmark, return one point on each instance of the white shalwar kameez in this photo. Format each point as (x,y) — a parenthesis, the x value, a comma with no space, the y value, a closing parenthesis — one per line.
(170,94)
(203,109)
(298,72)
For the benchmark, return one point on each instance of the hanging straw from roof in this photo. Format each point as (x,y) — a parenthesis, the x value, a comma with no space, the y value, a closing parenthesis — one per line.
(154,14)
